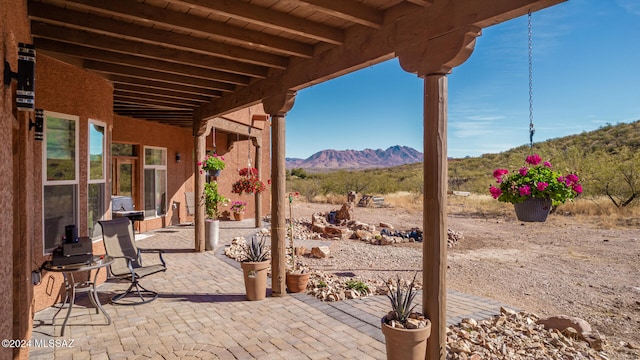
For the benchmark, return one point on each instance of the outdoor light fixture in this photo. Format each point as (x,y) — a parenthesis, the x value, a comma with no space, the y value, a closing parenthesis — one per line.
(25,95)
(178,157)
(38,124)
(260,117)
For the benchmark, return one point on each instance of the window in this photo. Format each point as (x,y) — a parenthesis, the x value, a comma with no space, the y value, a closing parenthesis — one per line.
(155,181)
(97,182)
(60,177)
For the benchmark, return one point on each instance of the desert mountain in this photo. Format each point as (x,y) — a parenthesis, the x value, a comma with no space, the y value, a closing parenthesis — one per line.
(357,159)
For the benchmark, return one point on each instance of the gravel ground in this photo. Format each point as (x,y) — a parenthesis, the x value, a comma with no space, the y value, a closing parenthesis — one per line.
(562,266)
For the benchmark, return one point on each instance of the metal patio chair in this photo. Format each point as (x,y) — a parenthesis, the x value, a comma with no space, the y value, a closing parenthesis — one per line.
(119,242)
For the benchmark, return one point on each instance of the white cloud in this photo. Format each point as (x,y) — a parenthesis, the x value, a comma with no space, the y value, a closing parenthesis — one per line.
(631,6)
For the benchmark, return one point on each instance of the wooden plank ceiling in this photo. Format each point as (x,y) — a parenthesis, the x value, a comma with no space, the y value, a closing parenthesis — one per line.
(169,59)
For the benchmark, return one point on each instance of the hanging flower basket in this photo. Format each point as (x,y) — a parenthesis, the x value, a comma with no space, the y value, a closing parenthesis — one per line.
(248,183)
(213,164)
(533,209)
(535,183)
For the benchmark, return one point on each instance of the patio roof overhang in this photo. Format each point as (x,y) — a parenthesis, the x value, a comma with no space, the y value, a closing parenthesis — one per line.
(182,62)
(188,62)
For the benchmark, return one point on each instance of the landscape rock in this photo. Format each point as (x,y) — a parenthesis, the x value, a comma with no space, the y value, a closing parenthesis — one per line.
(345,213)
(386,225)
(564,322)
(363,235)
(515,335)
(320,252)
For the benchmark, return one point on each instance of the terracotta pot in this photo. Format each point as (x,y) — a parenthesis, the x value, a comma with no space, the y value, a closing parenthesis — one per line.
(405,344)
(238,216)
(255,279)
(297,282)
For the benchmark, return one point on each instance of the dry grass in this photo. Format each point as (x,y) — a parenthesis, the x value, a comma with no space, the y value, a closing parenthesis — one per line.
(599,210)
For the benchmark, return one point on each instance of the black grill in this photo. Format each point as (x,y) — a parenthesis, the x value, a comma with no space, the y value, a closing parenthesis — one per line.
(122,206)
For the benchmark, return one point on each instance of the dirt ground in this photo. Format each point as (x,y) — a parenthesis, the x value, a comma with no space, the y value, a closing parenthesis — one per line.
(562,266)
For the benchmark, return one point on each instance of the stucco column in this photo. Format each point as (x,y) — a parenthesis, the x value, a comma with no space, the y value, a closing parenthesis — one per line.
(434,246)
(200,148)
(277,107)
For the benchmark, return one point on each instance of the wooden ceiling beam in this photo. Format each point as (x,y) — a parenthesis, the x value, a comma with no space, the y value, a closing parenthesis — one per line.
(127,109)
(185,89)
(110,27)
(162,92)
(271,19)
(366,47)
(134,94)
(128,60)
(145,102)
(348,10)
(423,3)
(135,11)
(99,41)
(157,75)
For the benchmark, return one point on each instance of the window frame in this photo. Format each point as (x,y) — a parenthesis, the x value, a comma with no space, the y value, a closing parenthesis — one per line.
(154,167)
(103,180)
(45,182)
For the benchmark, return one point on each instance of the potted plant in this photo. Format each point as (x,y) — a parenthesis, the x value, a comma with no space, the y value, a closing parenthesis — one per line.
(255,267)
(212,202)
(237,208)
(214,164)
(534,188)
(249,182)
(405,331)
(296,279)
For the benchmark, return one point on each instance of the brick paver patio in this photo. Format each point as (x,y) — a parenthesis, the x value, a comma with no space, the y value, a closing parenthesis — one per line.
(202,313)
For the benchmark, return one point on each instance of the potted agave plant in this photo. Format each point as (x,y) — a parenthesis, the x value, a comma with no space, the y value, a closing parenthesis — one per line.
(296,279)
(405,331)
(255,267)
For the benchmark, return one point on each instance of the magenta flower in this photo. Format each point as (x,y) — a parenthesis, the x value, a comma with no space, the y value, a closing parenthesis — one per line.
(498,173)
(561,179)
(534,159)
(525,190)
(577,188)
(542,185)
(495,192)
(573,178)
(523,171)
(548,164)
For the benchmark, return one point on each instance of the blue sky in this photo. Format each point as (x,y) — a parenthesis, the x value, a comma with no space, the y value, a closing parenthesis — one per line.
(586,73)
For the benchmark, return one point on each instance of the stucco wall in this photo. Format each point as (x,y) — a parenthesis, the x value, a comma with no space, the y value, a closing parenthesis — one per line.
(14,28)
(236,155)
(179,174)
(66,89)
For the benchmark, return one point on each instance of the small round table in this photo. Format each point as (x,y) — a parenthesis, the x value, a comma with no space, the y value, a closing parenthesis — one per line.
(97,263)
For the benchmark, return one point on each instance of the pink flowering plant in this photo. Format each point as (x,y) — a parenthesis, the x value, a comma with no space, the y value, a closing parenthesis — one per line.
(536,179)
(212,162)
(238,206)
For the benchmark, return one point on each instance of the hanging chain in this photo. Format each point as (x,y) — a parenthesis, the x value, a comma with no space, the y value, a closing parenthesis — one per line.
(532,129)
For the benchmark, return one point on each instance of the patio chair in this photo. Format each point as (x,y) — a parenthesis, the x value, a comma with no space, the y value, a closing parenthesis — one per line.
(119,242)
